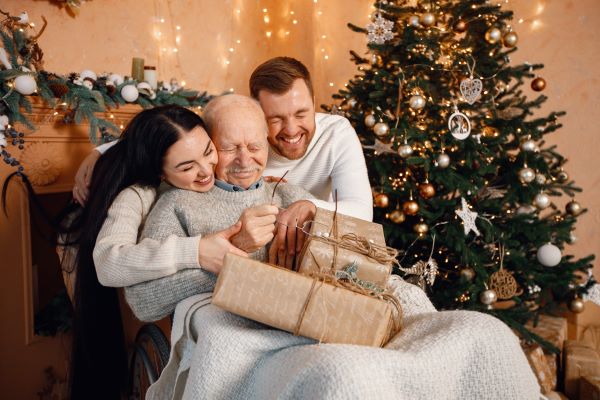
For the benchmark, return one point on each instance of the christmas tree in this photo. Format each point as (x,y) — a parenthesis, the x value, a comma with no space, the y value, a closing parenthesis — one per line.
(463,179)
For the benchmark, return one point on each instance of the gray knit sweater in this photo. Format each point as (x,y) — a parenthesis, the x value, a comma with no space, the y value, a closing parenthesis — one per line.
(187,213)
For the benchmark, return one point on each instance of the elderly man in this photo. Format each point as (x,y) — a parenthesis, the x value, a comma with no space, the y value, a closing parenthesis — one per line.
(237,127)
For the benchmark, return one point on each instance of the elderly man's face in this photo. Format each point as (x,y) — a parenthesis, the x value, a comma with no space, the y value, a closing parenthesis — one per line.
(241,141)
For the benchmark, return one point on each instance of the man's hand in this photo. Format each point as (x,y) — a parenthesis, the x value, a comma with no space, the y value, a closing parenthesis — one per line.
(212,248)
(258,227)
(290,238)
(83,177)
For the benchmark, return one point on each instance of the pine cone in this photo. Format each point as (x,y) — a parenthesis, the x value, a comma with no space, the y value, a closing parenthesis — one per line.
(58,89)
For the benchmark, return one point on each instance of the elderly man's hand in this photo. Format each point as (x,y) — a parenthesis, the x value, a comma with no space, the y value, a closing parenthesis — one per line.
(83,177)
(258,227)
(290,238)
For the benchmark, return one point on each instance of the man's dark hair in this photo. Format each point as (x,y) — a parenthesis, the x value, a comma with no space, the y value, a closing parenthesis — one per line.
(277,75)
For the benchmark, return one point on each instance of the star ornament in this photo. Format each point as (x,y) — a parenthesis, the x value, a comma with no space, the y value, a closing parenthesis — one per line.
(380,147)
(468,217)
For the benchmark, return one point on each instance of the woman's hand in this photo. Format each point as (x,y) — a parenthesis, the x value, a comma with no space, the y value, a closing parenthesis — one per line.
(212,248)
(83,177)
(258,227)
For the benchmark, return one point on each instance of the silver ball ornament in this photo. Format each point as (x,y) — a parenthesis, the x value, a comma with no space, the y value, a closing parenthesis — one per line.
(526,175)
(25,84)
(493,35)
(562,176)
(370,121)
(541,200)
(540,179)
(405,150)
(549,255)
(443,160)
(488,297)
(416,102)
(428,19)
(381,129)
(528,145)
(413,20)
(573,208)
(510,39)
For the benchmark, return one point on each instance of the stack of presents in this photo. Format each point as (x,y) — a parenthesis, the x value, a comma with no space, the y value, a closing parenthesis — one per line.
(336,293)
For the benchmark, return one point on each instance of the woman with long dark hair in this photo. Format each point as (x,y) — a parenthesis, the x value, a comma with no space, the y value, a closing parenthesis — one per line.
(166,143)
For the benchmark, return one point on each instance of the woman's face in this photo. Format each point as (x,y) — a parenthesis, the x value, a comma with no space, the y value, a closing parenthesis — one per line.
(190,162)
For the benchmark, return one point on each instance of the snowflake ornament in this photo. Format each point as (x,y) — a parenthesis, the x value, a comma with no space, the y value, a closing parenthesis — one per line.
(593,294)
(380,31)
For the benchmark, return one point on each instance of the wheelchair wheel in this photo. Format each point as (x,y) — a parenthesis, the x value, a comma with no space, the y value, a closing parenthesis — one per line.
(149,356)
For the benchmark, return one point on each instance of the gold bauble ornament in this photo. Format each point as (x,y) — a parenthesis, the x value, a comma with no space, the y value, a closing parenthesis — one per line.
(493,35)
(376,60)
(562,177)
(467,273)
(488,297)
(573,208)
(397,217)
(427,19)
(370,120)
(421,228)
(382,200)
(538,84)
(381,129)
(510,39)
(426,190)
(410,207)
(460,26)
(576,305)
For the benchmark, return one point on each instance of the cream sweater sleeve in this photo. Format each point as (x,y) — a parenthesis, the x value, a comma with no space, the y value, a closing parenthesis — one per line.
(121,261)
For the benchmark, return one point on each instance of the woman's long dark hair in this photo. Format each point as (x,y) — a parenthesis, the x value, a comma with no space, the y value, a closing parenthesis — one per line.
(99,359)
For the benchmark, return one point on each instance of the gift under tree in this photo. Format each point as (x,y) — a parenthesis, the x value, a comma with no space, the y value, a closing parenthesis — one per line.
(463,180)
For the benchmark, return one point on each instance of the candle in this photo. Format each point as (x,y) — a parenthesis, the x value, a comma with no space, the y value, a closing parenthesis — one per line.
(137,69)
(150,76)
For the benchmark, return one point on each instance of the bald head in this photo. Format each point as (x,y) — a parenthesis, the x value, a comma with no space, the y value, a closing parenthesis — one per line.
(236,125)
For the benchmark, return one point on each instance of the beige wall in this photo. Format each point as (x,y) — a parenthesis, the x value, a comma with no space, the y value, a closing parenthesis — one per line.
(108,33)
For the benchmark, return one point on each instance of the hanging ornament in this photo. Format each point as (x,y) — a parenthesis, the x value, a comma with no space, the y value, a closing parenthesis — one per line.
(459,125)
(471,88)
(428,19)
(540,179)
(541,200)
(380,147)
(130,93)
(573,208)
(417,102)
(468,217)
(421,228)
(549,255)
(526,209)
(397,216)
(405,150)
(410,207)
(502,281)
(381,129)
(425,272)
(25,84)
(443,160)
(488,297)
(493,35)
(526,175)
(380,31)
(376,60)
(467,273)
(382,200)
(576,305)
(413,21)
(529,146)
(572,238)
(426,190)
(562,176)
(460,26)
(510,39)
(370,121)
(538,84)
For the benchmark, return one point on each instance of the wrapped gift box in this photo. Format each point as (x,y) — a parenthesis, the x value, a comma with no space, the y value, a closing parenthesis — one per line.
(580,360)
(553,330)
(539,365)
(303,305)
(318,251)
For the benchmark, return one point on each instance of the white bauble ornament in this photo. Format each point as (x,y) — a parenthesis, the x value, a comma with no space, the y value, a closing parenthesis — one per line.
(129,93)
(528,145)
(443,160)
(488,297)
(25,84)
(24,18)
(541,200)
(428,19)
(86,73)
(381,129)
(413,21)
(116,79)
(549,255)
(526,175)
(370,121)
(416,102)
(405,150)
